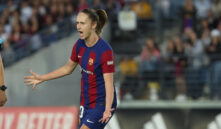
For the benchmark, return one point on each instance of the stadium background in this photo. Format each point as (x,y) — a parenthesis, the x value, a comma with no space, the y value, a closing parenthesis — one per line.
(167,55)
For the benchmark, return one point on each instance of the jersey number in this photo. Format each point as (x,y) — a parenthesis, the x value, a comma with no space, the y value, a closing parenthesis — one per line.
(81,111)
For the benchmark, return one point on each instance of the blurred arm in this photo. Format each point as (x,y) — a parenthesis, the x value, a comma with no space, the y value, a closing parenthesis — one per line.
(2,78)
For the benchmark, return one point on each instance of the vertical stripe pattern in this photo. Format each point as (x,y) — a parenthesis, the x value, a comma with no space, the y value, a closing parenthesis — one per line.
(80,55)
(92,92)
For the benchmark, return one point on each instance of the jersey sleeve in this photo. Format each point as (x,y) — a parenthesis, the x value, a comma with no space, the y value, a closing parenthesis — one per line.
(107,62)
(74,55)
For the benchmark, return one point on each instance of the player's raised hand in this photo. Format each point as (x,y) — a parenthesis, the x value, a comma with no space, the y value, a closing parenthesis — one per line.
(33,79)
(106,116)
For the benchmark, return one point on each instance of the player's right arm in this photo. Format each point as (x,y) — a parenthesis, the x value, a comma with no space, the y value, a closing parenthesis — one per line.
(36,79)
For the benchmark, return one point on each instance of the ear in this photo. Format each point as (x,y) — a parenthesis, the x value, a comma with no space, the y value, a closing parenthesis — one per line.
(94,25)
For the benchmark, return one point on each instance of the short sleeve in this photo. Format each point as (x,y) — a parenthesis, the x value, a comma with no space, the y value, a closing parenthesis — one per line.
(107,62)
(74,54)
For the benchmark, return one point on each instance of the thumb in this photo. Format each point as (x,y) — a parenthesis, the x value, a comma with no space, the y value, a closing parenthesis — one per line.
(34,86)
(112,109)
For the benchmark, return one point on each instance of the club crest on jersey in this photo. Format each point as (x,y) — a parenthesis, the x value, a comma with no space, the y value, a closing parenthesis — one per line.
(91,61)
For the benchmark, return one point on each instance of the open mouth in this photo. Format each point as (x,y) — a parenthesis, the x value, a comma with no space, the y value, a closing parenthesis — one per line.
(80,32)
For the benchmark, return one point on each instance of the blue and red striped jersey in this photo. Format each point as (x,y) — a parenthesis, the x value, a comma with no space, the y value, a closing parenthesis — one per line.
(94,62)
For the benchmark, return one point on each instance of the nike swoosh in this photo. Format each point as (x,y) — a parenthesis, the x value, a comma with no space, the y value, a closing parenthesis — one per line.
(90,121)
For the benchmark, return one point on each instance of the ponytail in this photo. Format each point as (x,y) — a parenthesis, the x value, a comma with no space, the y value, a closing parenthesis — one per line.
(102,20)
(99,16)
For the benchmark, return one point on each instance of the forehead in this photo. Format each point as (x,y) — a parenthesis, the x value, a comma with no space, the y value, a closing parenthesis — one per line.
(82,17)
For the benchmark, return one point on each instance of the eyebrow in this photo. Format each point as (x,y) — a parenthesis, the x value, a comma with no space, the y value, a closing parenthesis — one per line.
(80,22)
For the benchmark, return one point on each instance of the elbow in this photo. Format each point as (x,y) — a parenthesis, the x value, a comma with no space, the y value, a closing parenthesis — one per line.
(69,72)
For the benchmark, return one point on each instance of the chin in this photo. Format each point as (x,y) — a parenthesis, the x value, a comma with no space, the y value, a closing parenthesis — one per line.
(82,38)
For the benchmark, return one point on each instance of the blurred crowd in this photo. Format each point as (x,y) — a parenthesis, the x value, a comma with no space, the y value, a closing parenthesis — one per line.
(186,65)
(28,25)
(22,20)
(183,66)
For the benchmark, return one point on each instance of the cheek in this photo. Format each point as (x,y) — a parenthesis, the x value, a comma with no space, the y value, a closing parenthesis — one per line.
(85,27)
(88,28)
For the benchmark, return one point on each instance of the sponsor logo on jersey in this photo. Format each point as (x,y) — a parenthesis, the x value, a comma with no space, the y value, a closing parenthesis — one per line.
(86,71)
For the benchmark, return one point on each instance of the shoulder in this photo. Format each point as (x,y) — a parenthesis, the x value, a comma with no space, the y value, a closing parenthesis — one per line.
(105,45)
(77,46)
(106,51)
(79,42)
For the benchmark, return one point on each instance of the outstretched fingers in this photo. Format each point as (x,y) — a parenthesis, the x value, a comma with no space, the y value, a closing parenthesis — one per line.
(28,77)
(29,84)
(32,79)
(27,80)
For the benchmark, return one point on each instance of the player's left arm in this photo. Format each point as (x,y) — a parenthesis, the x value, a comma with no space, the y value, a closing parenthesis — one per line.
(109,88)
(108,68)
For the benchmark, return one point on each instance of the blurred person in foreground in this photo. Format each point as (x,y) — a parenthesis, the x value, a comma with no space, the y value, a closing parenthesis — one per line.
(3,96)
(95,57)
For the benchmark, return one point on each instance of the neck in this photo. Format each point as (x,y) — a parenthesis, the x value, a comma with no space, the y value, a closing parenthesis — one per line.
(92,40)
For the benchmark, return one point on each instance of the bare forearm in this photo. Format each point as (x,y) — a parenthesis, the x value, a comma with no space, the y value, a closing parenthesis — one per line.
(2,79)
(109,88)
(55,74)
(60,72)
(109,97)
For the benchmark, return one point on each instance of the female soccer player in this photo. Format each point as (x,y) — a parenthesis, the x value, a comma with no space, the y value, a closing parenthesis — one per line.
(95,57)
